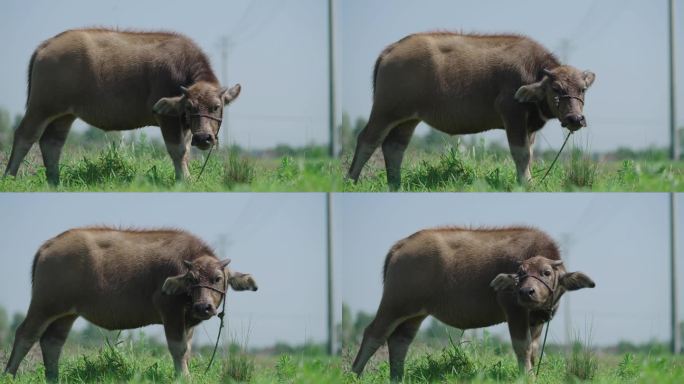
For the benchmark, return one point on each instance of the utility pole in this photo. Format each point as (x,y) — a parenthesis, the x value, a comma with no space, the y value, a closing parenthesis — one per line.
(225,45)
(332,336)
(566,240)
(333,149)
(222,245)
(565,48)
(674,307)
(674,137)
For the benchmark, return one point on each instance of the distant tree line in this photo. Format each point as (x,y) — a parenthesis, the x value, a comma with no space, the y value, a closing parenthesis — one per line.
(432,142)
(436,334)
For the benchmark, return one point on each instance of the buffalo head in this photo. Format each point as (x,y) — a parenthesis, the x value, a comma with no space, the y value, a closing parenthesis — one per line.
(206,281)
(200,108)
(563,89)
(539,282)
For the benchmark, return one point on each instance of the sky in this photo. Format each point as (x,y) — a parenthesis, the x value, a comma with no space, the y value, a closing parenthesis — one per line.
(278,238)
(278,55)
(621,240)
(623,42)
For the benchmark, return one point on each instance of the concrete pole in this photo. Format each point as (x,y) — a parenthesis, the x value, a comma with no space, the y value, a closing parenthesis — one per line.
(674,136)
(676,334)
(332,335)
(334,140)
(225,46)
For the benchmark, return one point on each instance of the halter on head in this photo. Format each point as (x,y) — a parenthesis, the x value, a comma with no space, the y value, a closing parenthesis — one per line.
(554,298)
(207,287)
(198,115)
(222,292)
(556,99)
(525,275)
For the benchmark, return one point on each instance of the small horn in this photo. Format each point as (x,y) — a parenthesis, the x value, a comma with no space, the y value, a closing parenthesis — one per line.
(188,264)
(184,90)
(224,262)
(547,72)
(557,263)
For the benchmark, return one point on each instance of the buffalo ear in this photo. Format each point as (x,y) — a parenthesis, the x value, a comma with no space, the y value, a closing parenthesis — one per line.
(230,94)
(589,78)
(242,282)
(504,281)
(168,106)
(530,93)
(573,281)
(175,285)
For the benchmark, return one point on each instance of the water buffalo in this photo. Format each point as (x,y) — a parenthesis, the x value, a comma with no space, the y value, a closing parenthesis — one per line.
(469,278)
(463,83)
(122,279)
(118,81)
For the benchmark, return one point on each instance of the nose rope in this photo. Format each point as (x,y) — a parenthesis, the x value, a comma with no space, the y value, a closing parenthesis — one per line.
(551,305)
(219,120)
(220,316)
(557,156)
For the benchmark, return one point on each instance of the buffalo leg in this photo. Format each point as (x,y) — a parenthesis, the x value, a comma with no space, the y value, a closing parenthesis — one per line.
(177,143)
(51,144)
(520,146)
(518,326)
(393,151)
(28,332)
(29,131)
(188,345)
(398,344)
(178,340)
(535,335)
(51,344)
(375,335)
(368,140)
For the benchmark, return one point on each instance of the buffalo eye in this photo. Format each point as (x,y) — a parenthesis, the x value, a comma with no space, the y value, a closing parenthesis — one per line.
(547,273)
(217,279)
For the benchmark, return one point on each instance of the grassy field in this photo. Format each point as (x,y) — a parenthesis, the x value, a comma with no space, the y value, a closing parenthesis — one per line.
(476,170)
(136,363)
(476,362)
(144,167)
(481,362)
(147,167)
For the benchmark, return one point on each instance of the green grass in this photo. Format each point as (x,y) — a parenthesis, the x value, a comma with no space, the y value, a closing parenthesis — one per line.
(475,170)
(473,362)
(135,363)
(145,167)
(481,362)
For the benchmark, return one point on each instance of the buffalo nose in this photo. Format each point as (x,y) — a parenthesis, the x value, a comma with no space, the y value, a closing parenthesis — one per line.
(203,308)
(575,120)
(203,138)
(528,292)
